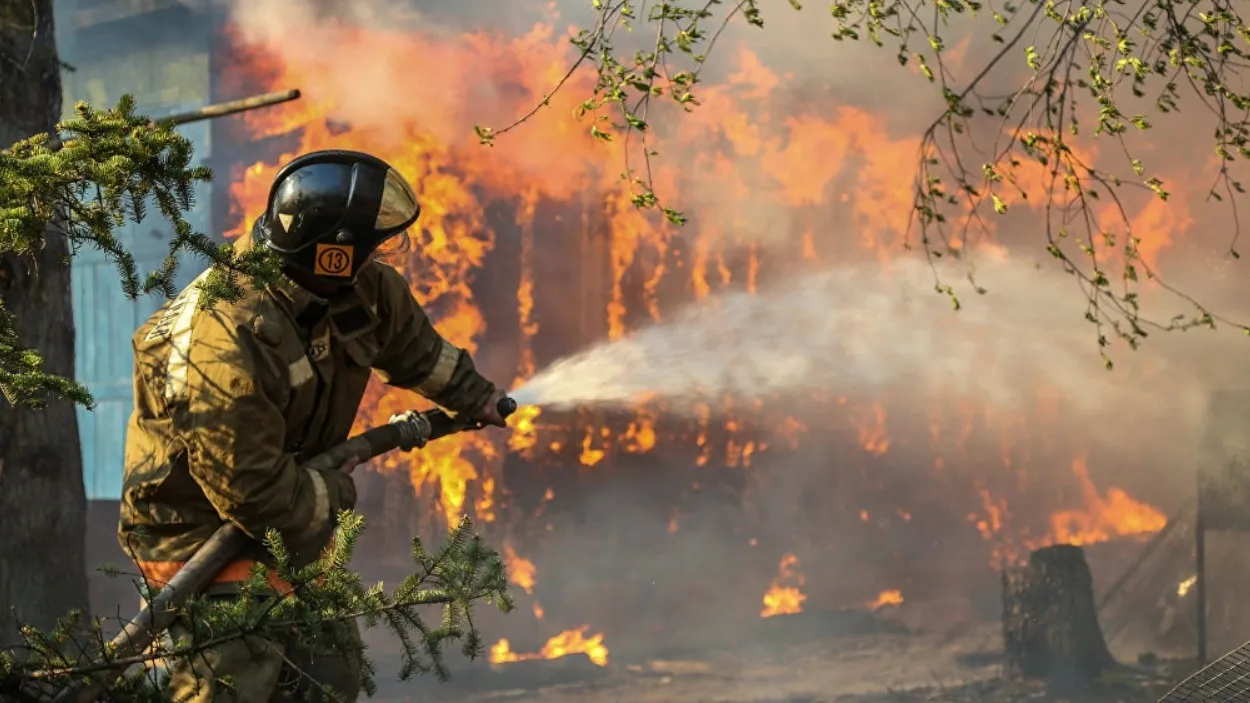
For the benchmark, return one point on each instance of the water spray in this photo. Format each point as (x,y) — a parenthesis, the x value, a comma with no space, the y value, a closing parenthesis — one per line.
(851,331)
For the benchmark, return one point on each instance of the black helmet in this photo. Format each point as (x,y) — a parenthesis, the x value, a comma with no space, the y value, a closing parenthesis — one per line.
(330,211)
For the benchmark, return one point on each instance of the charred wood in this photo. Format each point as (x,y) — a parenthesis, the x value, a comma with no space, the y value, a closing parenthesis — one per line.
(1050,622)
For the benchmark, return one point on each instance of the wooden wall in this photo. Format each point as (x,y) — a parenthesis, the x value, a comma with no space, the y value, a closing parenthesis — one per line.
(159,53)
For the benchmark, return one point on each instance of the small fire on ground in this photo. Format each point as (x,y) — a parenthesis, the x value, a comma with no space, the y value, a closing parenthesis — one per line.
(886,599)
(562,645)
(784,596)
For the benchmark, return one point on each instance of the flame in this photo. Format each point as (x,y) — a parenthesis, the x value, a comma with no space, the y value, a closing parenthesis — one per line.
(524,433)
(1101,518)
(639,436)
(525,289)
(562,645)
(781,597)
(1115,515)
(521,571)
(992,523)
(484,506)
(872,435)
(1182,589)
(590,455)
(890,597)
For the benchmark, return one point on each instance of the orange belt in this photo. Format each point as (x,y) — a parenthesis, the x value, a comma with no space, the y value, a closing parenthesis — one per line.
(160,573)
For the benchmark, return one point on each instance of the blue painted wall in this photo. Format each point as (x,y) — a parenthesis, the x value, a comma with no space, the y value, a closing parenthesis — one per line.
(105,320)
(167,71)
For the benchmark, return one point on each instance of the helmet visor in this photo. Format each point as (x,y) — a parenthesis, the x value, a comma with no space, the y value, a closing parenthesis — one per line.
(396,213)
(399,208)
(392,250)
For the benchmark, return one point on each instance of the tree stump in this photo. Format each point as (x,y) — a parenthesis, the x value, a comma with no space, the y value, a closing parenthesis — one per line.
(1050,622)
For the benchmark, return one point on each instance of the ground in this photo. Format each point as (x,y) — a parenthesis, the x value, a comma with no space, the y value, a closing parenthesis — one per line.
(905,655)
(796,665)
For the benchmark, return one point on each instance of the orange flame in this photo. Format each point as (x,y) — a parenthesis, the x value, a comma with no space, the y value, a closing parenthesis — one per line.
(872,435)
(591,455)
(639,436)
(524,433)
(562,645)
(1116,515)
(782,598)
(890,597)
(1101,518)
(521,571)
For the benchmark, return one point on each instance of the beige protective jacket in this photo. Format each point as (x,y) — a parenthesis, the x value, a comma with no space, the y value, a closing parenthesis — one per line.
(229,402)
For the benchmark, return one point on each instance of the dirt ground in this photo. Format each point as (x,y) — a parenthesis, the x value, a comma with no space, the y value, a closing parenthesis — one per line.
(907,656)
(799,666)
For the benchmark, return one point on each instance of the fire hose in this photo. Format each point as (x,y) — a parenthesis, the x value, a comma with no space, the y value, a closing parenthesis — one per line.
(406,431)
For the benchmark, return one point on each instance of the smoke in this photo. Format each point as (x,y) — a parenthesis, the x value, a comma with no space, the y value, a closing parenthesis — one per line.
(852,331)
(370,74)
(849,106)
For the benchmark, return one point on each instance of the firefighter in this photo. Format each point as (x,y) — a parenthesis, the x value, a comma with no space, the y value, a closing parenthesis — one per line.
(231,400)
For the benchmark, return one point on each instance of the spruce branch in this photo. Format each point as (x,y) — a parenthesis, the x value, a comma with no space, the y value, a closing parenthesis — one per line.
(106,168)
(431,609)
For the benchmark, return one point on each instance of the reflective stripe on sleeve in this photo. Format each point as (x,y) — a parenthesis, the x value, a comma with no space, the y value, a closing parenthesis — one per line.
(321,507)
(436,382)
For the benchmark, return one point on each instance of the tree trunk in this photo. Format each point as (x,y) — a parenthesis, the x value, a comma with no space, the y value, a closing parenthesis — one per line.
(42,500)
(1050,623)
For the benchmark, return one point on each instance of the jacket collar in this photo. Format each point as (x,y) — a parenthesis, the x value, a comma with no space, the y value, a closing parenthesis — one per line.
(296,299)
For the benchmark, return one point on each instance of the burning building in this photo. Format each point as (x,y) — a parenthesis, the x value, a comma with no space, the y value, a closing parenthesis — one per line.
(644,520)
